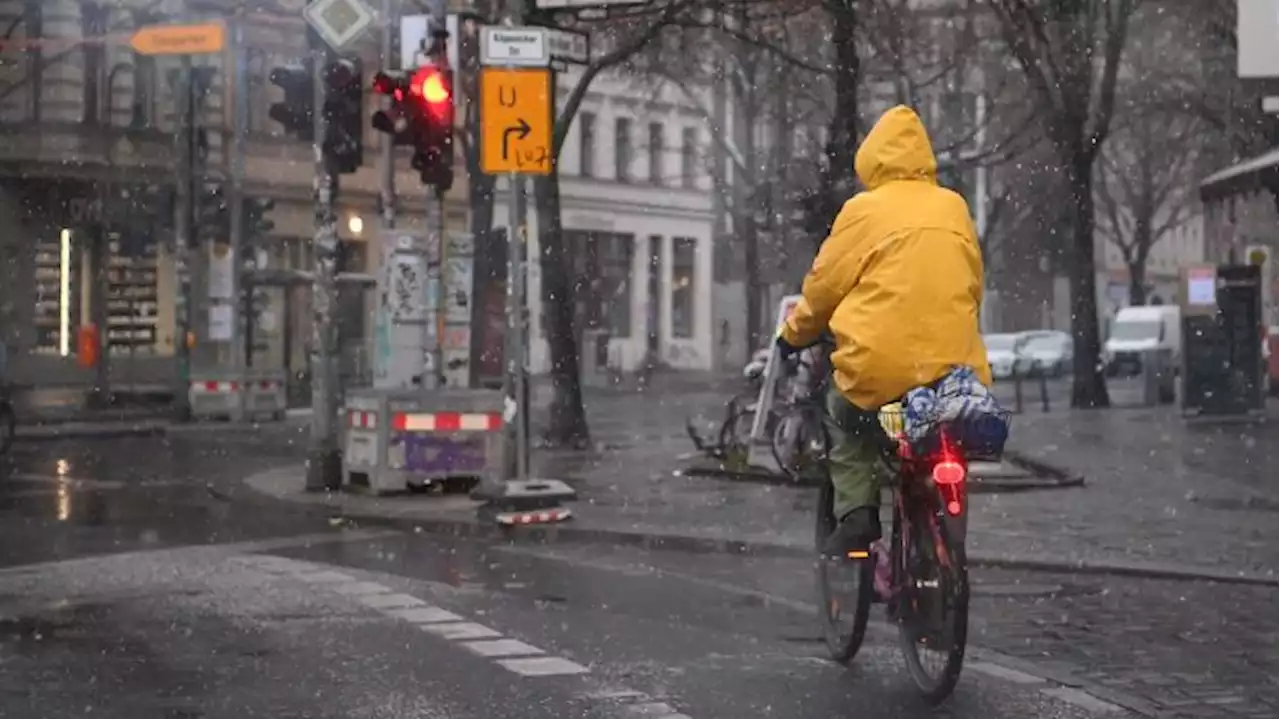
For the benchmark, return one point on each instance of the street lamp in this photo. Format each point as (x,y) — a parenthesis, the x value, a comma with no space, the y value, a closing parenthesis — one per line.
(355,224)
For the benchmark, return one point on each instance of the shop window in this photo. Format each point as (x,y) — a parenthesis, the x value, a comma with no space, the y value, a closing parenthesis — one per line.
(56,314)
(132,302)
(602,279)
(683,285)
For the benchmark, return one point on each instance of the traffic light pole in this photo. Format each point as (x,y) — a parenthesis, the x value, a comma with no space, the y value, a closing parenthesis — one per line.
(324,464)
(387,158)
(183,229)
(235,200)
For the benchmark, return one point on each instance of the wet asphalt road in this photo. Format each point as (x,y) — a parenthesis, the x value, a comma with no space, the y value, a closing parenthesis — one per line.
(135,585)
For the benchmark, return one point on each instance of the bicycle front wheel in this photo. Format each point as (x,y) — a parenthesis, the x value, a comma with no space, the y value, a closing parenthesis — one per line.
(845,587)
(933,613)
(799,442)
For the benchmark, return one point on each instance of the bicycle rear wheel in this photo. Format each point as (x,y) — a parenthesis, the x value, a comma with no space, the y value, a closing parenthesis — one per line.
(933,612)
(845,587)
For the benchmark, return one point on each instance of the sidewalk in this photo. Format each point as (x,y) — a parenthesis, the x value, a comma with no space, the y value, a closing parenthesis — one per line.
(1162,499)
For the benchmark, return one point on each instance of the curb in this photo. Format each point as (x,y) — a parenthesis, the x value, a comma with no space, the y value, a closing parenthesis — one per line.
(469,526)
(1053,478)
(1064,475)
(63,431)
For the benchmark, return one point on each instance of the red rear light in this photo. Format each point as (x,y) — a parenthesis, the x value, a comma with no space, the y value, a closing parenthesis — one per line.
(947,472)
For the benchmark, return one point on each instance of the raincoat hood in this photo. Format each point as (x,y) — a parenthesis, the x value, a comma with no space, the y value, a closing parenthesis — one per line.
(897,148)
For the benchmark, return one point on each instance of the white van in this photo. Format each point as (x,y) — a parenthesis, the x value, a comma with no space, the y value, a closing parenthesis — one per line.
(1138,329)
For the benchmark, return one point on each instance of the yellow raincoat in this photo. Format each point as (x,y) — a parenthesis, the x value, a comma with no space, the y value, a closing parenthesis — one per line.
(899,281)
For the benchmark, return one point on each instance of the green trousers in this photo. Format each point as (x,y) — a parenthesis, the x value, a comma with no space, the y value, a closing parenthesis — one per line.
(854,463)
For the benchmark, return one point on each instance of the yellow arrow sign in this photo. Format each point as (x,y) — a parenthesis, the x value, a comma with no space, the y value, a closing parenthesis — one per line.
(179,39)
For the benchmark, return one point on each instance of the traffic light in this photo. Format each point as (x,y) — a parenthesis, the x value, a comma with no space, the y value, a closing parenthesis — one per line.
(256,224)
(396,120)
(431,97)
(296,113)
(344,114)
(213,216)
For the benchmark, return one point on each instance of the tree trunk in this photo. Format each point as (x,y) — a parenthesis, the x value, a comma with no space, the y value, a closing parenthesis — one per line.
(1137,287)
(1089,387)
(845,121)
(568,425)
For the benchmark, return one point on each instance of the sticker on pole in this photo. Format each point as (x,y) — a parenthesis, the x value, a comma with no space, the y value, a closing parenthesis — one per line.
(338,22)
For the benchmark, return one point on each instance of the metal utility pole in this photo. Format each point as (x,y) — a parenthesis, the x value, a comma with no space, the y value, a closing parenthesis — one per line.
(184,141)
(387,158)
(516,347)
(324,464)
(235,192)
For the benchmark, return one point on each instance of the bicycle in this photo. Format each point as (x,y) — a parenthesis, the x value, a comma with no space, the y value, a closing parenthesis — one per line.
(799,440)
(923,578)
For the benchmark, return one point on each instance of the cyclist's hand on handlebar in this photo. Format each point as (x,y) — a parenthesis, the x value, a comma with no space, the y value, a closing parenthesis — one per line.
(785,350)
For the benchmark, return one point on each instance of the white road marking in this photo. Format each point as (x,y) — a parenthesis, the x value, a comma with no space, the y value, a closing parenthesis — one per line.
(391,601)
(1005,673)
(542,666)
(1081,699)
(357,589)
(425,615)
(276,565)
(616,695)
(657,710)
(502,648)
(460,630)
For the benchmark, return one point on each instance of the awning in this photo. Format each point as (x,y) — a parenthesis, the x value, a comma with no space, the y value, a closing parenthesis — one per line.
(1250,175)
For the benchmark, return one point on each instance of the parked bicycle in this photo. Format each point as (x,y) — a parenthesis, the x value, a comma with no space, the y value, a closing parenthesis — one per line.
(921,573)
(799,440)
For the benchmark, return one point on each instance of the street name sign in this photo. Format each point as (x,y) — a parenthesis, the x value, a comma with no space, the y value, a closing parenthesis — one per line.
(522,46)
(197,39)
(338,22)
(569,45)
(515,112)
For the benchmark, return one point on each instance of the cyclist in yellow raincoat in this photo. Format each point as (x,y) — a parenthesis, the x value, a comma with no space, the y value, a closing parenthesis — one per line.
(899,284)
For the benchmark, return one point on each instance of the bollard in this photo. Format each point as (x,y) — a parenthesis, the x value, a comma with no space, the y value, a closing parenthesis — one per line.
(1017,391)
(1044,390)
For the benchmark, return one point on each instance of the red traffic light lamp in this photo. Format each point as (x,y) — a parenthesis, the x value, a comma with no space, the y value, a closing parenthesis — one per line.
(432,86)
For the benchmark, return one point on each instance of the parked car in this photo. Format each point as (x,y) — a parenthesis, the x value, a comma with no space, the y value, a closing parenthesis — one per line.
(1048,351)
(1002,354)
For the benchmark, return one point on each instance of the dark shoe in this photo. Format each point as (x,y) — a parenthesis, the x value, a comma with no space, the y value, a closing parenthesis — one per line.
(855,533)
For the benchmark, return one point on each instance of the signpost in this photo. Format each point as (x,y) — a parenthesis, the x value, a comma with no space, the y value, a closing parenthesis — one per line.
(198,39)
(517,115)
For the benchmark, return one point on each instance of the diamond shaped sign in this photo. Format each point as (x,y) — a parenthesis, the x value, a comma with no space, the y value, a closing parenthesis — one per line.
(339,22)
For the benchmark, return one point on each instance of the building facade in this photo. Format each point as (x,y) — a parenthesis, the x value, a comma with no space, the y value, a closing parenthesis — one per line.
(90,129)
(637,215)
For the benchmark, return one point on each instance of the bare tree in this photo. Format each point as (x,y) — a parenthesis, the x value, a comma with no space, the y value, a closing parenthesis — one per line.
(1146,177)
(1070,52)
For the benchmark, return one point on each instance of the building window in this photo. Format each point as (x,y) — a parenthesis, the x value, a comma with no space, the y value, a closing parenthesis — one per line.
(587,144)
(143,107)
(683,283)
(602,279)
(656,149)
(93,23)
(622,149)
(688,156)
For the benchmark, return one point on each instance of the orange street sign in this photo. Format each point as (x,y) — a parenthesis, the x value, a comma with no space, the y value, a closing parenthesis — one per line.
(179,39)
(515,117)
